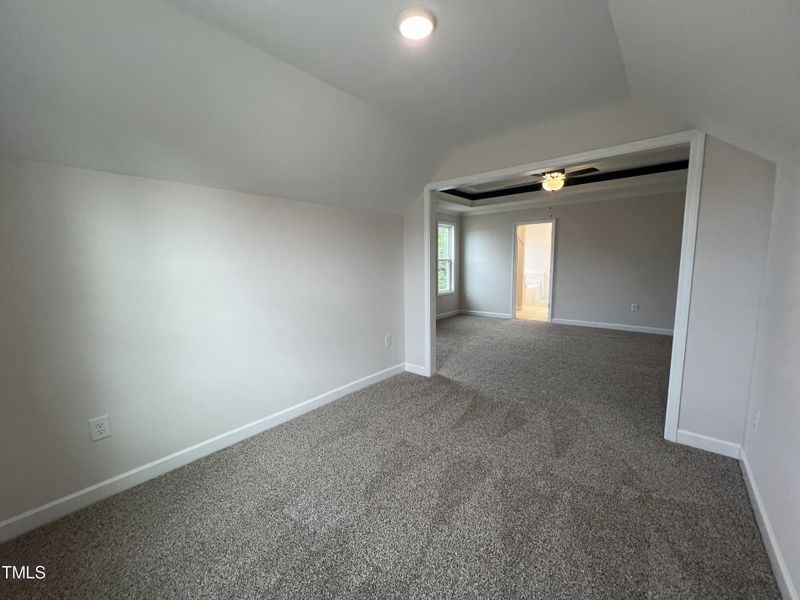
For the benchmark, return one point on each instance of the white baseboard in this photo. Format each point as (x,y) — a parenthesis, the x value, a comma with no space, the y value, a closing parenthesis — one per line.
(483,313)
(617,326)
(451,313)
(416,369)
(779,567)
(711,444)
(36,517)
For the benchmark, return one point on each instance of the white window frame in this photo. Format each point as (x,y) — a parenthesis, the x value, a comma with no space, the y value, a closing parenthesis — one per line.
(452,257)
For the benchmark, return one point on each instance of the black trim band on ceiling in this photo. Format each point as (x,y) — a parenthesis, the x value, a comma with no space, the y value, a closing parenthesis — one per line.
(677,165)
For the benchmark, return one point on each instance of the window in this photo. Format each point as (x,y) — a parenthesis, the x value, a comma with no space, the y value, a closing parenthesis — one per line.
(446,245)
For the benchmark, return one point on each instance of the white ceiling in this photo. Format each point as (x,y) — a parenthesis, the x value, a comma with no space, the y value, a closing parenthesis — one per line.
(491,66)
(729,67)
(144,89)
(321,100)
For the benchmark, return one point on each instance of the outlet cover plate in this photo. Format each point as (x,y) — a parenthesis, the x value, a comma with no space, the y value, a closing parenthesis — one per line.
(99,428)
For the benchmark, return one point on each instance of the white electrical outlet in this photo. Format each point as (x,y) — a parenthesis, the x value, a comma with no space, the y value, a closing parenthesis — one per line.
(99,428)
(634,307)
(756,419)
(387,341)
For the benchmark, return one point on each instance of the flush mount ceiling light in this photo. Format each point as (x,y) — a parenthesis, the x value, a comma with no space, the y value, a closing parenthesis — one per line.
(553,181)
(415,23)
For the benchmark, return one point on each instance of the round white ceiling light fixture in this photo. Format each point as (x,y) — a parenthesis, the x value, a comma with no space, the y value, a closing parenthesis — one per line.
(415,23)
(553,181)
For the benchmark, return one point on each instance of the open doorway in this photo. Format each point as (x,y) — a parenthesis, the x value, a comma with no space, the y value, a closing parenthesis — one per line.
(533,270)
(669,164)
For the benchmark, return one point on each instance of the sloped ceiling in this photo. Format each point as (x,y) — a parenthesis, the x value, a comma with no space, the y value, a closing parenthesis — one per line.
(491,66)
(142,88)
(729,67)
(204,92)
(322,101)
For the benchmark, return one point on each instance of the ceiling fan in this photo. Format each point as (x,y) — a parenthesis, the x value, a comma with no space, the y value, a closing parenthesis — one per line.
(554,180)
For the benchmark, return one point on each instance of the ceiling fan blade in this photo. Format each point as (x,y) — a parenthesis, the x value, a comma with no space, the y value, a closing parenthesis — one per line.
(540,176)
(567,173)
(580,172)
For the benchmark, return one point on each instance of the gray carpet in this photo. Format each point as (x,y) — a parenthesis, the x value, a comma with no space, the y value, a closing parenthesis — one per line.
(533,466)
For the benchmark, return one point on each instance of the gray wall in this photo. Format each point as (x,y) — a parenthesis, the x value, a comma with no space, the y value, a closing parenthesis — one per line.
(730,256)
(622,122)
(625,121)
(732,233)
(733,226)
(414,283)
(183,312)
(452,302)
(609,254)
(772,445)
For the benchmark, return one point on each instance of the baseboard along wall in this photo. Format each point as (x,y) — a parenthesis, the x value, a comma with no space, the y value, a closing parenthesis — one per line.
(779,566)
(36,517)
(416,369)
(778,562)
(574,322)
(451,313)
(483,313)
(617,326)
(711,444)
(474,313)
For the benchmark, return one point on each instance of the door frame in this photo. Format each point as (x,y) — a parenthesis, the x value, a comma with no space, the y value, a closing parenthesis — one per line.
(696,141)
(514,258)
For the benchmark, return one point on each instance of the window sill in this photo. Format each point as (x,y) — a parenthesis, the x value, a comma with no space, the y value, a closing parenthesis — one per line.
(445,293)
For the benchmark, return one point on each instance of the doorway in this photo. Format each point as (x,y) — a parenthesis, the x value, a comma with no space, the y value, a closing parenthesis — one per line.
(696,142)
(533,270)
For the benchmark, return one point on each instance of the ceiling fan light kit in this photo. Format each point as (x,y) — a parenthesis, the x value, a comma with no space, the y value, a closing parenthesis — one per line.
(553,181)
(557,179)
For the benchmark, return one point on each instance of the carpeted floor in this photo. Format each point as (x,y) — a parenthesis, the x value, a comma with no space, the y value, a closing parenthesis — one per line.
(532,466)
